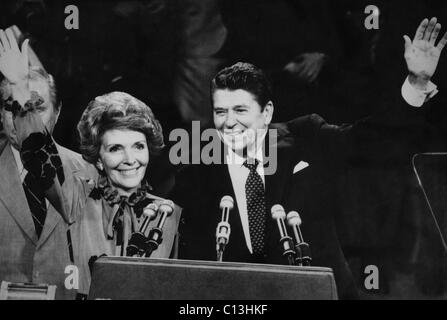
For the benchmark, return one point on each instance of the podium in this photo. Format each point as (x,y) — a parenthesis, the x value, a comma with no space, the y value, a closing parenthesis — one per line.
(169,279)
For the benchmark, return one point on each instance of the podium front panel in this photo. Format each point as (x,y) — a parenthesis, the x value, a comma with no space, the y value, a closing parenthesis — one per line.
(167,279)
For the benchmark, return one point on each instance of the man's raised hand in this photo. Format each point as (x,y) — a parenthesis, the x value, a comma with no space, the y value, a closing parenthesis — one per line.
(13,61)
(422,54)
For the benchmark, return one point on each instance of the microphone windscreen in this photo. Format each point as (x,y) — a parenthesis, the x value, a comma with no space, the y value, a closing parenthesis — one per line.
(166,206)
(150,211)
(278,212)
(293,219)
(227,202)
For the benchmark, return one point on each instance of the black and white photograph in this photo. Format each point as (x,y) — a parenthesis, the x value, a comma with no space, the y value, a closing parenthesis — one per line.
(224,154)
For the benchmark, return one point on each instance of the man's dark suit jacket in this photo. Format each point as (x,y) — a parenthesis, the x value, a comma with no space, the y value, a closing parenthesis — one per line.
(199,189)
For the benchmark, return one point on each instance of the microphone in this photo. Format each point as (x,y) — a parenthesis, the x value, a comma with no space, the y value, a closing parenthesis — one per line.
(223,229)
(165,208)
(279,214)
(137,242)
(302,248)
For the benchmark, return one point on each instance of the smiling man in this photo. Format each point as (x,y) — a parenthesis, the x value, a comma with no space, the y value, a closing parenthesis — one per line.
(241,116)
(308,150)
(243,110)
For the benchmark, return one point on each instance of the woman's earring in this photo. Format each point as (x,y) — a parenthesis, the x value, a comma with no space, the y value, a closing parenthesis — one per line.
(99,166)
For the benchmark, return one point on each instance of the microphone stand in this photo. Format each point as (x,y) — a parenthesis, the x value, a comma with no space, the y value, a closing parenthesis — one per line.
(220,255)
(286,242)
(155,239)
(222,237)
(305,253)
(156,234)
(137,245)
(288,252)
(303,257)
(223,229)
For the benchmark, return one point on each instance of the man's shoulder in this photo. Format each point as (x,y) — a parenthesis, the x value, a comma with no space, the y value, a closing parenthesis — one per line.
(302,126)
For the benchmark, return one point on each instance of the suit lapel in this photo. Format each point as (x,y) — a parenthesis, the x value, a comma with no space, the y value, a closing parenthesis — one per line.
(52,219)
(275,182)
(12,194)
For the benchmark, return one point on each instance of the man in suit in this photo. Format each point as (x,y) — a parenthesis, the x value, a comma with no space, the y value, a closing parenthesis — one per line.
(307,151)
(34,245)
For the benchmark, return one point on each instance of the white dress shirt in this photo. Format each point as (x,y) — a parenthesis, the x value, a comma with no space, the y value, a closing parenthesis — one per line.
(22,171)
(415,97)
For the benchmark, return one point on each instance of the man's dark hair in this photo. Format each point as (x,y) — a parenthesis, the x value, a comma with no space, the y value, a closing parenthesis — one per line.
(244,76)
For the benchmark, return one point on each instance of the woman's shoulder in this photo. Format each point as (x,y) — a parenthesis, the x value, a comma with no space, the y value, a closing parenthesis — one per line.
(160,200)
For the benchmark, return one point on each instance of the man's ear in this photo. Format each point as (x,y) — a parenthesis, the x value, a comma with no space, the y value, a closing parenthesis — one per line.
(268,112)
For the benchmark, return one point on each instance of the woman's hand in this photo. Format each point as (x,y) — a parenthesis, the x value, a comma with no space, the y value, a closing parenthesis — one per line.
(13,62)
(422,55)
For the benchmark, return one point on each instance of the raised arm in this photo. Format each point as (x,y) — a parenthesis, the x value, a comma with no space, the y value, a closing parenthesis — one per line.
(422,54)
(390,126)
(38,151)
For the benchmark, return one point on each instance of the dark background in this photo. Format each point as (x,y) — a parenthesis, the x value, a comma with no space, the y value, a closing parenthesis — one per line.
(137,47)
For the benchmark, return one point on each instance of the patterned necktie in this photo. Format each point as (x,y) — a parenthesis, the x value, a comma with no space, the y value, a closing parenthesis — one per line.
(255,195)
(36,201)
